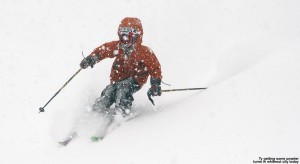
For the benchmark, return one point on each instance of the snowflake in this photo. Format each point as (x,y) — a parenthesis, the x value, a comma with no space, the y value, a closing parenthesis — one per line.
(116,52)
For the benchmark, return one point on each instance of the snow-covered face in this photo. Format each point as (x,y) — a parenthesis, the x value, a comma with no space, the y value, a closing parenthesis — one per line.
(128,36)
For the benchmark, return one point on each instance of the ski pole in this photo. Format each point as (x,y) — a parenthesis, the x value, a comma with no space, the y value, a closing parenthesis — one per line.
(184,89)
(172,90)
(42,109)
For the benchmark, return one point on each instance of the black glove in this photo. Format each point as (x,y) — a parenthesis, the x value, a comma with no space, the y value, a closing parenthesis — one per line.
(155,89)
(88,61)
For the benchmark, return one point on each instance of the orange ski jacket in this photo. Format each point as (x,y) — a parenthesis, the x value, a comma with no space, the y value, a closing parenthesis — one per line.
(141,63)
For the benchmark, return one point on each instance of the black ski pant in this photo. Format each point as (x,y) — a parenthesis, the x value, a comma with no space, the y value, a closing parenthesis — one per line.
(119,93)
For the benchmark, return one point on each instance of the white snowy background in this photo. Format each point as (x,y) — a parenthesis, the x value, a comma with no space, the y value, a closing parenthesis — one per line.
(247,52)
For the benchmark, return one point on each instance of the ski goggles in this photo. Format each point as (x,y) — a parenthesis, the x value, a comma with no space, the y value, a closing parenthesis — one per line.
(128,35)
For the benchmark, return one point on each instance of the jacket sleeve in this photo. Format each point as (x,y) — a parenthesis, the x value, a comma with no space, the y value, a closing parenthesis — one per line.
(153,65)
(104,51)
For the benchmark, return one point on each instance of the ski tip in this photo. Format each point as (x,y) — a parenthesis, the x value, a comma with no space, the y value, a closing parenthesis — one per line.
(64,143)
(96,138)
(68,139)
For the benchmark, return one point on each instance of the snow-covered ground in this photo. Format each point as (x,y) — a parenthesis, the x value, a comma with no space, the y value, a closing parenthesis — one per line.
(247,52)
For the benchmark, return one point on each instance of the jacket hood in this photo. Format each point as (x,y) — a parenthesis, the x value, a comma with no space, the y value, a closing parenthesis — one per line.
(133,23)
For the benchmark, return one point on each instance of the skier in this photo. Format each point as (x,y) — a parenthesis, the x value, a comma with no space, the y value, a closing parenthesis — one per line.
(133,64)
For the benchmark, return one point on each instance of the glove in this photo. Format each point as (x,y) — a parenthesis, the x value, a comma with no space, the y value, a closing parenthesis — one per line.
(155,89)
(88,61)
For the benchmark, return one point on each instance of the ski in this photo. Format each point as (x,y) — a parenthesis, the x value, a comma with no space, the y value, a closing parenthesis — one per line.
(101,137)
(68,139)
(113,124)
(96,138)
